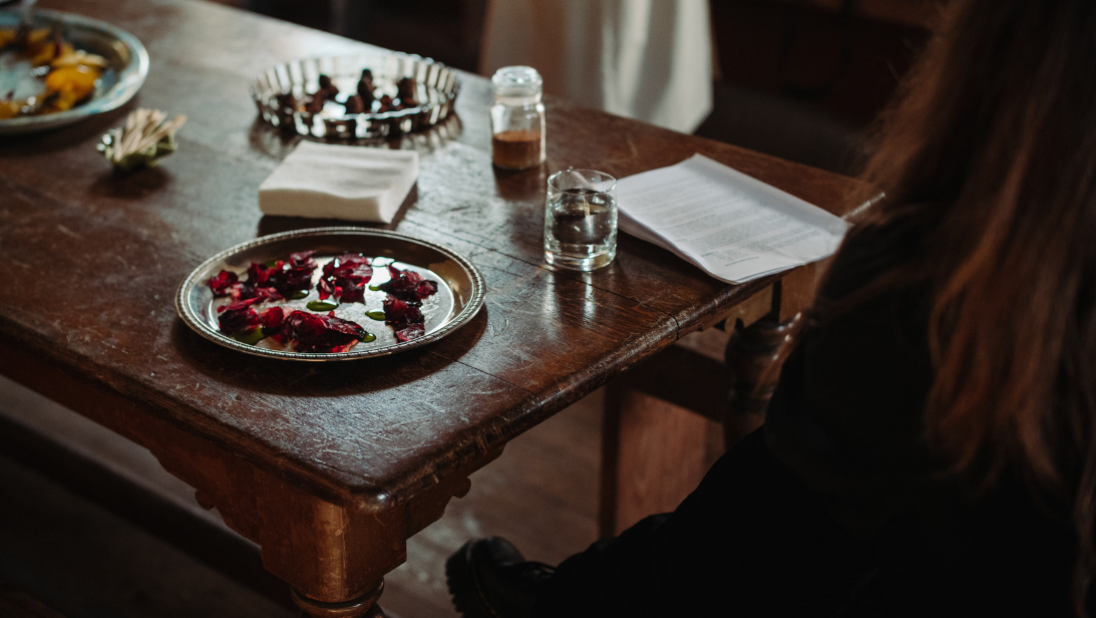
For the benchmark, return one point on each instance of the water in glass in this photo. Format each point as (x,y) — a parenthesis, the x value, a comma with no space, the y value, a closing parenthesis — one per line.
(580,228)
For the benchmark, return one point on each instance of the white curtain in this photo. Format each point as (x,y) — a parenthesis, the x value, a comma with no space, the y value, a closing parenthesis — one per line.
(644,59)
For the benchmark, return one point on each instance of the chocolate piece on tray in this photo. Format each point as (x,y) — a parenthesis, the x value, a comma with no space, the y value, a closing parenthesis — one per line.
(355,105)
(365,88)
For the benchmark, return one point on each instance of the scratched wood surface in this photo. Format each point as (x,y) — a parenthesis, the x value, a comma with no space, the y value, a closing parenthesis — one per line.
(91,261)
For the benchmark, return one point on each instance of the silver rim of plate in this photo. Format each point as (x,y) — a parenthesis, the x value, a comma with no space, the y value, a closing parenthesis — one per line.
(125,76)
(434,82)
(460,287)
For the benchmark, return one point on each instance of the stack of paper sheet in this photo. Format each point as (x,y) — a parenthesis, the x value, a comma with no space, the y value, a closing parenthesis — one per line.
(734,227)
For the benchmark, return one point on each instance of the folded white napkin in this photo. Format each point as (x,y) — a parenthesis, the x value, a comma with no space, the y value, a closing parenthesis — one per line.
(340,182)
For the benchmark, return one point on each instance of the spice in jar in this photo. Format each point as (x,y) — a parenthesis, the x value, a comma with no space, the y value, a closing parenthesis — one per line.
(517,119)
(516,149)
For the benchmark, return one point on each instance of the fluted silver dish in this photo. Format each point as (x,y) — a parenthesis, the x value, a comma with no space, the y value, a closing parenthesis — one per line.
(459,297)
(436,87)
(128,67)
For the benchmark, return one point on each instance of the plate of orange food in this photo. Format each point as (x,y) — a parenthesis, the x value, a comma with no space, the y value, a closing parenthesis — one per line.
(61,68)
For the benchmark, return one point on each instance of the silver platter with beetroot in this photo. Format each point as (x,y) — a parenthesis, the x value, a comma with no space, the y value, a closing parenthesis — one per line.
(330,294)
(356,97)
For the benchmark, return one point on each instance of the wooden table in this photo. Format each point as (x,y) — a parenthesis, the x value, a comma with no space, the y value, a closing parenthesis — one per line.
(330,468)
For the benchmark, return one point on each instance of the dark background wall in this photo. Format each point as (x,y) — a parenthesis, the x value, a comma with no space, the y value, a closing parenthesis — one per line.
(800,79)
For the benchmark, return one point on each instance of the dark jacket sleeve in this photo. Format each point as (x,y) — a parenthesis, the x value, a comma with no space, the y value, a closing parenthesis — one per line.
(847,415)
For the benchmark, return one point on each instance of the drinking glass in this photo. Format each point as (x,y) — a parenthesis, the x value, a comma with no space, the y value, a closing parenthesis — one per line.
(580,220)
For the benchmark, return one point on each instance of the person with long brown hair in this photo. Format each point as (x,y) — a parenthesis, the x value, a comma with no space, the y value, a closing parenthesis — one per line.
(931,447)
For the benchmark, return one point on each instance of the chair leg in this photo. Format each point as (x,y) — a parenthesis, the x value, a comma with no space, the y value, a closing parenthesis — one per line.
(654,453)
(655,446)
(754,357)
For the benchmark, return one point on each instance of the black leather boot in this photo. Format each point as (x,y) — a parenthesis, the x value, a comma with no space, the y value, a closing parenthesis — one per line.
(489,578)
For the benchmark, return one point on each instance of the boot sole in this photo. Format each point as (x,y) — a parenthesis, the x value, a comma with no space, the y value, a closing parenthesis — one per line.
(463,586)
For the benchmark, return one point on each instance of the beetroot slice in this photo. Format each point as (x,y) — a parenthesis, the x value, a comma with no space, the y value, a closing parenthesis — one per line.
(398,314)
(352,295)
(321,333)
(237,305)
(238,318)
(273,319)
(258,275)
(293,275)
(228,284)
(405,319)
(344,278)
(327,289)
(265,282)
(407,285)
(261,294)
(221,283)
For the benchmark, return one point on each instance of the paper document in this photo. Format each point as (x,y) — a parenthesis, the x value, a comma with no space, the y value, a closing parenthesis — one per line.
(732,226)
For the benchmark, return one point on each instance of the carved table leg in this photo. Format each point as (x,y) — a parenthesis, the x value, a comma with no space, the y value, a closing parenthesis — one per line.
(754,356)
(364,606)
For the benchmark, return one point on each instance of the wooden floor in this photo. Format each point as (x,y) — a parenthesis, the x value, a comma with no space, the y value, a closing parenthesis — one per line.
(82,561)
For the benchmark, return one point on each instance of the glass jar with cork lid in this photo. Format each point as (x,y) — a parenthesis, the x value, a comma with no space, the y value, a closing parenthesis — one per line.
(517,119)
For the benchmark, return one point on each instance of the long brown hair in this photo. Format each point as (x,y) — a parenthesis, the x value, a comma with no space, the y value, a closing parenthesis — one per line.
(993,140)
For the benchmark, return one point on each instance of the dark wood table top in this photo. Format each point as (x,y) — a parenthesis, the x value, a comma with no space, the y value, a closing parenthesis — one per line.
(91,260)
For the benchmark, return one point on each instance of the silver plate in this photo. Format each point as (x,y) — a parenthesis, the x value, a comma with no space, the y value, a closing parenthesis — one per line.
(436,90)
(459,297)
(128,66)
